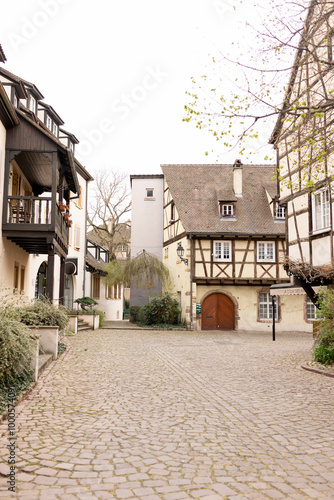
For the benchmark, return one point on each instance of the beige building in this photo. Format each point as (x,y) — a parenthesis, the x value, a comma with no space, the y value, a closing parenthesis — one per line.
(303,139)
(43,197)
(227,221)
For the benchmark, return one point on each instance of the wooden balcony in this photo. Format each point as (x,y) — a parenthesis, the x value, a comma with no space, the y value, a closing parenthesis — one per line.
(34,222)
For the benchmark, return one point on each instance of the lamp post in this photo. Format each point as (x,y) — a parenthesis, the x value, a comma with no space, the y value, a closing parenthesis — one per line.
(180,253)
(273,299)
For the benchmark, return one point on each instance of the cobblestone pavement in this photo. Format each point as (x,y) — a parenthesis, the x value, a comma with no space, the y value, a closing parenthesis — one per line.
(175,415)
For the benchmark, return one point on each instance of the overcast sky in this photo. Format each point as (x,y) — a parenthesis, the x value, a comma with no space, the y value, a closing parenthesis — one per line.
(116,71)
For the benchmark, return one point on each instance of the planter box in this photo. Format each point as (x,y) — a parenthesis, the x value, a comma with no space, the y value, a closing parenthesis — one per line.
(73,323)
(92,319)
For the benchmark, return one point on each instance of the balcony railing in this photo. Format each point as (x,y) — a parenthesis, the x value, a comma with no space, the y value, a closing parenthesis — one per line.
(35,212)
(29,210)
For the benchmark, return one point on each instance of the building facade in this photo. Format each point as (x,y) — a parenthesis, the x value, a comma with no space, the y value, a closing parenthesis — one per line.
(43,198)
(147,192)
(232,230)
(303,139)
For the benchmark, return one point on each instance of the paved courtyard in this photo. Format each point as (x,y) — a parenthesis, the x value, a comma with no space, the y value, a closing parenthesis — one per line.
(174,415)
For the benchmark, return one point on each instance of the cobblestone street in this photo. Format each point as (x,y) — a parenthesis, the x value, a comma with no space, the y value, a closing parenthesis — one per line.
(173,415)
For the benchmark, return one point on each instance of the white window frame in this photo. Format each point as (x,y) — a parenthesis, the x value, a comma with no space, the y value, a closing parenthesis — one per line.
(148,192)
(55,129)
(222,251)
(32,104)
(265,307)
(265,256)
(321,219)
(279,212)
(310,310)
(49,122)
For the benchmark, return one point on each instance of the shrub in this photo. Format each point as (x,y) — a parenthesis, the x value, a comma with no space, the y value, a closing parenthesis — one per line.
(160,310)
(134,313)
(42,312)
(85,302)
(102,316)
(324,344)
(16,350)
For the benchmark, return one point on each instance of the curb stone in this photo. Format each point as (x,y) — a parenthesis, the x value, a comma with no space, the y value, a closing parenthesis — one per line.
(320,372)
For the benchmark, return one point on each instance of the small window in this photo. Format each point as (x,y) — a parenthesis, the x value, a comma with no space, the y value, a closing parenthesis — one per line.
(172,212)
(279,212)
(109,290)
(226,210)
(16,276)
(222,251)
(15,101)
(266,251)
(72,147)
(266,307)
(23,270)
(48,122)
(96,286)
(310,310)
(321,210)
(55,129)
(32,104)
(149,193)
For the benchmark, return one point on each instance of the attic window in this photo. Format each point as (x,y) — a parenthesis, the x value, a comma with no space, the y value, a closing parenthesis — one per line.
(149,193)
(226,210)
(48,122)
(55,129)
(172,212)
(32,104)
(279,212)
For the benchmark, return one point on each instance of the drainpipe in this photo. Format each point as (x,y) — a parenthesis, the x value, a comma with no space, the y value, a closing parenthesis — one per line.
(85,256)
(191,285)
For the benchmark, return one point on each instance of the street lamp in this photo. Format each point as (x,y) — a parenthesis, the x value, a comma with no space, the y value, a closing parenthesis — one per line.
(180,253)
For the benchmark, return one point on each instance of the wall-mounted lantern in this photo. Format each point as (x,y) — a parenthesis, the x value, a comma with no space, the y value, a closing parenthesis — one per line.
(180,253)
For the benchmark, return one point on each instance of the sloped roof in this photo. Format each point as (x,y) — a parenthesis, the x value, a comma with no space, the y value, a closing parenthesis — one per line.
(197,189)
(95,266)
(122,235)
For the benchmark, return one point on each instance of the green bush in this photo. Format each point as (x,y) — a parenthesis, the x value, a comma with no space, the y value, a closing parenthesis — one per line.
(16,350)
(102,316)
(86,302)
(324,354)
(42,312)
(160,310)
(324,344)
(134,313)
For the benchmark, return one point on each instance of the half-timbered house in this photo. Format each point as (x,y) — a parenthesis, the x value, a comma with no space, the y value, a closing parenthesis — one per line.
(303,139)
(224,240)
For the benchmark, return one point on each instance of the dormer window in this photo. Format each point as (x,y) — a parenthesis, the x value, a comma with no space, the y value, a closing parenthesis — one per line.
(55,129)
(15,100)
(48,122)
(279,212)
(32,104)
(226,210)
(71,147)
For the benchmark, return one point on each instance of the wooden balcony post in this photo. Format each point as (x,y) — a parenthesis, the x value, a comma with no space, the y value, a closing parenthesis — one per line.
(50,271)
(62,281)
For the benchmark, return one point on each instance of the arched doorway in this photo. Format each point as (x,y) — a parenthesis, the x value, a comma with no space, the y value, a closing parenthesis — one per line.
(218,312)
(40,286)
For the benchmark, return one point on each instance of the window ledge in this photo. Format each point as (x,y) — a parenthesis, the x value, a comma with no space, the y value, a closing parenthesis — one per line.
(149,199)
(320,231)
(266,261)
(228,219)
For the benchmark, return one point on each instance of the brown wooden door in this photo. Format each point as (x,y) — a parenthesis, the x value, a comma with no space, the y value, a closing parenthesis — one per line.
(218,313)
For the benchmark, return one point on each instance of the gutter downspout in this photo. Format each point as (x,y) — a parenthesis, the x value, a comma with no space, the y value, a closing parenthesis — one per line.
(191,285)
(85,256)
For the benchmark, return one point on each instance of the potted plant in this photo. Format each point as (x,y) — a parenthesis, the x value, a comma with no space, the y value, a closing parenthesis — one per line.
(62,207)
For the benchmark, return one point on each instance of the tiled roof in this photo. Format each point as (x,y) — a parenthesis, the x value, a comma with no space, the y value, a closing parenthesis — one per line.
(95,265)
(196,190)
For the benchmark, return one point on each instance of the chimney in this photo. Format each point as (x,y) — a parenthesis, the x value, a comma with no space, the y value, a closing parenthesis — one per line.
(237,178)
